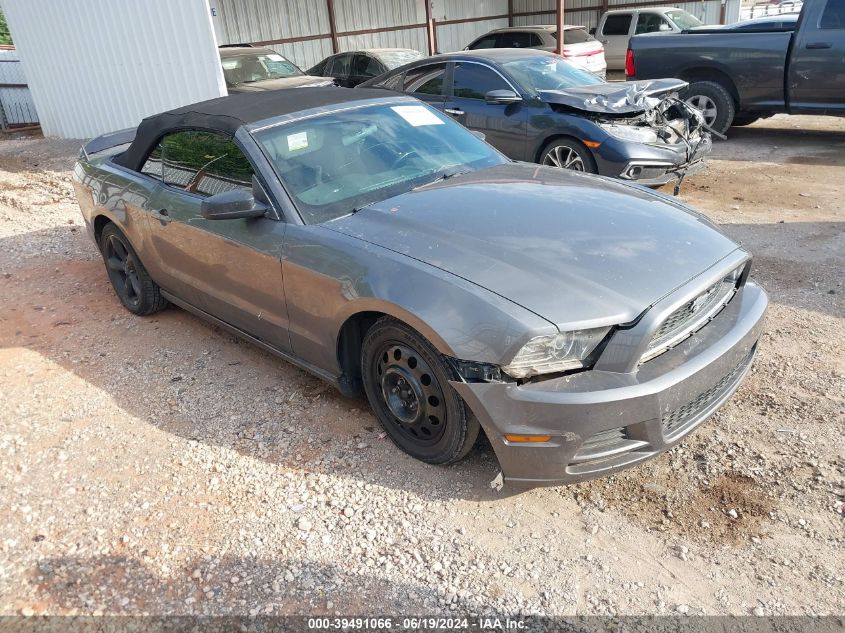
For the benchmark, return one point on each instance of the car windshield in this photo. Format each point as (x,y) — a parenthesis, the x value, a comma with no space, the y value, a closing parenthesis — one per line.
(245,69)
(549,72)
(334,164)
(683,19)
(394,59)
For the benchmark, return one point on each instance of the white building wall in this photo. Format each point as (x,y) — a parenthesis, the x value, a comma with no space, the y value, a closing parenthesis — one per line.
(96,66)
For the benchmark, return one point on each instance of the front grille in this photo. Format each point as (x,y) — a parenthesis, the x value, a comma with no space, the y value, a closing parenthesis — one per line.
(678,418)
(690,317)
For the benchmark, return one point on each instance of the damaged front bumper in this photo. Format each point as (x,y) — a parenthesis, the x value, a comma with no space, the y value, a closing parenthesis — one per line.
(675,165)
(628,113)
(601,422)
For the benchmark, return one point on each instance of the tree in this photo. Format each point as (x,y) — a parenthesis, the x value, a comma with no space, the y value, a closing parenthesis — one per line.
(5,36)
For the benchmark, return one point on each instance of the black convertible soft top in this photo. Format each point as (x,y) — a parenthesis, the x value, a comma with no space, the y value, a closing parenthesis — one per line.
(227,114)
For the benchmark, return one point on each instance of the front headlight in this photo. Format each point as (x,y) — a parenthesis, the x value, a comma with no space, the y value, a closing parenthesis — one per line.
(630,132)
(559,352)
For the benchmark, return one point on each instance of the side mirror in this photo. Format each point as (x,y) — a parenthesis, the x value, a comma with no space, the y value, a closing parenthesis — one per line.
(502,96)
(593,31)
(231,205)
(664,27)
(479,134)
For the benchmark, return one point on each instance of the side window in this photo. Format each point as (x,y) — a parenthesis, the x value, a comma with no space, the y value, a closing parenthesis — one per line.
(319,69)
(394,82)
(340,66)
(833,16)
(617,24)
(366,66)
(515,39)
(427,80)
(205,163)
(650,23)
(488,41)
(152,167)
(473,81)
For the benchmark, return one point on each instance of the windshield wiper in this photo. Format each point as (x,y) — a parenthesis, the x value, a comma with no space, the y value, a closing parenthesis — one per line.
(444,176)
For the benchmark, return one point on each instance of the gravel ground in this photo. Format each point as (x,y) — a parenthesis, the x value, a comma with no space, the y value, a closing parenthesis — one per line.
(159,465)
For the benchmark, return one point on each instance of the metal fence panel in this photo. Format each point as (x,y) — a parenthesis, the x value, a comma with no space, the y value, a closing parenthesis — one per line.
(403,38)
(245,21)
(455,37)
(357,15)
(15,99)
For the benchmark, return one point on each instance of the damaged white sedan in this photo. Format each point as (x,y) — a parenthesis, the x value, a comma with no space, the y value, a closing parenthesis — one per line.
(534,106)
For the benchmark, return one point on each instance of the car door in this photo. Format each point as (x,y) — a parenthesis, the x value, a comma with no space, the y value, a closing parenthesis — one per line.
(504,125)
(340,67)
(816,75)
(615,33)
(427,83)
(230,269)
(364,67)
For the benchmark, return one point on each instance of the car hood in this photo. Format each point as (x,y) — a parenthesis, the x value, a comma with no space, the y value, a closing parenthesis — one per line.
(300,81)
(618,97)
(577,250)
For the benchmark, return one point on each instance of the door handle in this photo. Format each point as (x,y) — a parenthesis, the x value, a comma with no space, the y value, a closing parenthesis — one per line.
(818,45)
(454,111)
(162,216)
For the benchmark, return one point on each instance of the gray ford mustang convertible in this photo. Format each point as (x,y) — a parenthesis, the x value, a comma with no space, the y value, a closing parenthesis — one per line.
(583,323)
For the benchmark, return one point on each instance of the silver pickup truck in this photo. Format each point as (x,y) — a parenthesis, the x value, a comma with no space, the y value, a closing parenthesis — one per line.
(738,77)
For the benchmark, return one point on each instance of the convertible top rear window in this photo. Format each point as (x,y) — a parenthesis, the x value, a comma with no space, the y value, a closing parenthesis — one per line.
(336,163)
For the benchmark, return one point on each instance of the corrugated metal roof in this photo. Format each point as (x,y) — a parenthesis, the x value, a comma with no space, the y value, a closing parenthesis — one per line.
(95,66)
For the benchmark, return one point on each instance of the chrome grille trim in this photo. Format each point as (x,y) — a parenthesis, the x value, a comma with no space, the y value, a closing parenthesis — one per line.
(690,317)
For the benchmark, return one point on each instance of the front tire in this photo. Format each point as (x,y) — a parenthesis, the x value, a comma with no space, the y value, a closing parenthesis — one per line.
(715,103)
(569,154)
(133,285)
(407,384)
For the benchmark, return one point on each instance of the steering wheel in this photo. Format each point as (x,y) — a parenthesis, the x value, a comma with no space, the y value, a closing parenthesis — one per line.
(401,158)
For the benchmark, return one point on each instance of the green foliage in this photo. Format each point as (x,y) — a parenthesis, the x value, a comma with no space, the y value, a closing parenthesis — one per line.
(217,153)
(5,36)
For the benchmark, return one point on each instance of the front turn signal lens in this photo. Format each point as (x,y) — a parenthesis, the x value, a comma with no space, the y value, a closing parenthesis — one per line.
(528,439)
(592,144)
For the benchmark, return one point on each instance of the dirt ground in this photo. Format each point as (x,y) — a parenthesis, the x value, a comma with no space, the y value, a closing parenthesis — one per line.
(159,465)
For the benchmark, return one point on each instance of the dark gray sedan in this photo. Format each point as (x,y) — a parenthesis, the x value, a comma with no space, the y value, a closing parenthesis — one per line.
(584,324)
(535,106)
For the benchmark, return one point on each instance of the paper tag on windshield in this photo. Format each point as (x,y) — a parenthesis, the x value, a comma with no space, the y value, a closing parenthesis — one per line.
(297,141)
(417,115)
(275,58)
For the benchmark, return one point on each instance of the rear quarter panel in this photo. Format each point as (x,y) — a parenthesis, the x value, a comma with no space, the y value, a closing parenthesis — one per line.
(119,195)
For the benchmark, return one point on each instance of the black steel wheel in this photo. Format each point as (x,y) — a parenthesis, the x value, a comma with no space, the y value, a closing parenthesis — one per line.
(136,290)
(407,384)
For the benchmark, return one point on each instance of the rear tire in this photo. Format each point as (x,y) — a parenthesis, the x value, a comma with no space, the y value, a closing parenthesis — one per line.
(133,285)
(715,102)
(570,154)
(407,384)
